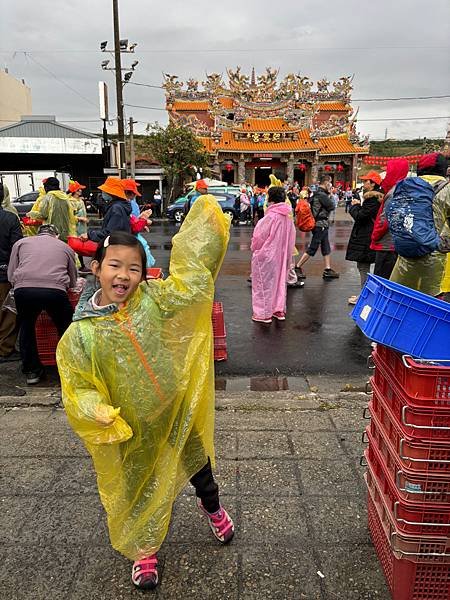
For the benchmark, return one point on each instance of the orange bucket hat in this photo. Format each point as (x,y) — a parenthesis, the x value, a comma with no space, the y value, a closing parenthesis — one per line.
(114,187)
(130,185)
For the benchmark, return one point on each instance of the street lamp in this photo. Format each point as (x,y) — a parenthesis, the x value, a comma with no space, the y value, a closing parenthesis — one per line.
(123,44)
(103,46)
(127,76)
(134,64)
(105,64)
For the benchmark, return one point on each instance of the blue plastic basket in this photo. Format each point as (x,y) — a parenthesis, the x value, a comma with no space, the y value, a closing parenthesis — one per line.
(401,318)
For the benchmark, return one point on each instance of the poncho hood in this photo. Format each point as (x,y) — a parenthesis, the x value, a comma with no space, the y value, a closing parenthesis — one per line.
(281,208)
(86,308)
(396,170)
(59,194)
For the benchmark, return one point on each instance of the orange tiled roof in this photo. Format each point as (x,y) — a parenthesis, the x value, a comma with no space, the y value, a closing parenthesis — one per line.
(304,143)
(188,105)
(334,106)
(265,125)
(338,144)
(226,102)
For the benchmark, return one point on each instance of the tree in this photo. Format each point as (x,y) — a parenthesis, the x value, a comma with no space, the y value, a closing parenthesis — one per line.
(177,150)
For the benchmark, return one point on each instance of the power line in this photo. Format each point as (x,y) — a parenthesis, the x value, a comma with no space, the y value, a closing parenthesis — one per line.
(400,98)
(59,79)
(403,119)
(236,50)
(160,87)
(147,107)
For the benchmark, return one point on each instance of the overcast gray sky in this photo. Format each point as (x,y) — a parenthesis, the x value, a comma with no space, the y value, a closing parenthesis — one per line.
(394,48)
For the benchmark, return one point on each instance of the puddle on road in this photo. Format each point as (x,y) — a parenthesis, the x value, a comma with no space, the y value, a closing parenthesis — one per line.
(264,383)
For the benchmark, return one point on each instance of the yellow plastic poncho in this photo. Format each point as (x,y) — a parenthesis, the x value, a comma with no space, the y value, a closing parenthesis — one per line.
(79,210)
(138,385)
(6,202)
(30,230)
(445,283)
(425,274)
(56,208)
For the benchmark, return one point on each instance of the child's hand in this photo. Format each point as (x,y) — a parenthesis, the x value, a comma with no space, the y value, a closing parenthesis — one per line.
(145,214)
(105,414)
(84,237)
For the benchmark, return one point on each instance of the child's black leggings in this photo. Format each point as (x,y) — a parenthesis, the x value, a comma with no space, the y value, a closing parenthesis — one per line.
(206,488)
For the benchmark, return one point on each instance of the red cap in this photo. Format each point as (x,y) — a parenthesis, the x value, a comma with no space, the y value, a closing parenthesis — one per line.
(372,176)
(201,185)
(130,185)
(75,186)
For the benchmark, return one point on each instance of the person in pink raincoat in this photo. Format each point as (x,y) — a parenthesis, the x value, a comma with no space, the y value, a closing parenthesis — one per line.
(273,244)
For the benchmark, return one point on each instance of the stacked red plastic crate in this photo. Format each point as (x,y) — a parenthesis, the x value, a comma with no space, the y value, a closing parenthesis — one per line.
(47,337)
(219,332)
(408,474)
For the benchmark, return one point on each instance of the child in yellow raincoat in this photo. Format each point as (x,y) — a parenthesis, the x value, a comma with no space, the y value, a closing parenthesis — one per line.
(137,378)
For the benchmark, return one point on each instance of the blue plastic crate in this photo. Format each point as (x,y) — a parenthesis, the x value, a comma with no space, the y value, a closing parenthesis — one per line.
(403,319)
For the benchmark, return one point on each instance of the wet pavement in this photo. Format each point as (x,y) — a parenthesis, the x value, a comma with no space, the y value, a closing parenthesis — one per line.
(317,336)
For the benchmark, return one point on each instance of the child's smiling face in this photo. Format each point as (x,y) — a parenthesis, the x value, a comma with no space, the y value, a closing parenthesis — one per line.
(119,273)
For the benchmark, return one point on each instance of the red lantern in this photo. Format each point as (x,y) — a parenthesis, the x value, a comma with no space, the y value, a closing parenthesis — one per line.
(228,167)
(302,167)
(327,168)
(339,168)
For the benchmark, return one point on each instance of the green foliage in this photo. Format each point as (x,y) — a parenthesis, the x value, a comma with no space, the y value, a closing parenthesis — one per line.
(405,147)
(175,148)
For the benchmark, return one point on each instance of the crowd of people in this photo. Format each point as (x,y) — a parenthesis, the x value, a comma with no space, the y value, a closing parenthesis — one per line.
(401,225)
(38,263)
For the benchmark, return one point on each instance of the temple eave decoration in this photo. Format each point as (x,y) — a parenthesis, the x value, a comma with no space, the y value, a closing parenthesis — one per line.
(290,118)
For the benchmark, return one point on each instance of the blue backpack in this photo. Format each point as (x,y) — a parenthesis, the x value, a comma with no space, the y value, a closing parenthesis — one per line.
(410,217)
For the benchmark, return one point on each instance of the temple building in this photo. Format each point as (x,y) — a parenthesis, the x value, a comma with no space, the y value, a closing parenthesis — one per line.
(259,125)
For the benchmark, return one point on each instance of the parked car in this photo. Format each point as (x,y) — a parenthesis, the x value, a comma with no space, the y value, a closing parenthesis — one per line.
(234,190)
(24,203)
(175,211)
(227,203)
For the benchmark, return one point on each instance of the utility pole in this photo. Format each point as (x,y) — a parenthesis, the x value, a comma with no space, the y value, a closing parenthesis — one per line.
(119,96)
(132,154)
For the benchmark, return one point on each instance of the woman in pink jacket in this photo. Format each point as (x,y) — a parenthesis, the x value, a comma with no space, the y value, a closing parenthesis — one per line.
(273,245)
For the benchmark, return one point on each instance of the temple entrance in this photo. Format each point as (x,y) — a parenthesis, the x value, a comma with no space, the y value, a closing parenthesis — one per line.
(262,176)
(299,177)
(228,175)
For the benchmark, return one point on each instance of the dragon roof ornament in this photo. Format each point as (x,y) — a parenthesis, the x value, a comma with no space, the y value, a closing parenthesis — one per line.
(263,89)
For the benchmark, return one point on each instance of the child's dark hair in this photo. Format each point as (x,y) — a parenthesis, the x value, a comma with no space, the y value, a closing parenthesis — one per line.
(121,238)
(276,195)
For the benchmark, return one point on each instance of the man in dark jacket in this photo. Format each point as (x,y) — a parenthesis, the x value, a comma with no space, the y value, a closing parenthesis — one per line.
(322,204)
(10,233)
(117,212)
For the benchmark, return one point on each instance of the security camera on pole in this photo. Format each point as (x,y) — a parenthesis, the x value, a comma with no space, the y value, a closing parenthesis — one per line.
(120,46)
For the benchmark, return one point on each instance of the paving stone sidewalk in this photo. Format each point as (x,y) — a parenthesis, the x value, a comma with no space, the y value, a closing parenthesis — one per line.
(288,467)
